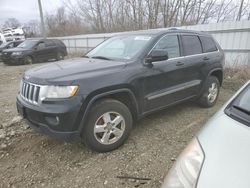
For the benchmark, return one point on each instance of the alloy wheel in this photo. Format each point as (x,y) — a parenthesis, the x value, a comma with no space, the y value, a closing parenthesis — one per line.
(109,128)
(212,92)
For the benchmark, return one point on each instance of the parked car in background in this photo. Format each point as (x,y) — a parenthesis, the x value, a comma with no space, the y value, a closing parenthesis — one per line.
(98,97)
(9,45)
(219,155)
(35,50)
(12,34)
(2,38)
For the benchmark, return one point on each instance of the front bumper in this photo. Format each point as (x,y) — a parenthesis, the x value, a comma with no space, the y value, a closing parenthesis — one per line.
(56,119)
(12,60)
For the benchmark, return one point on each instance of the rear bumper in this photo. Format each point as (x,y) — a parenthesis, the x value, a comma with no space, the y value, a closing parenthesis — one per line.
(57,121)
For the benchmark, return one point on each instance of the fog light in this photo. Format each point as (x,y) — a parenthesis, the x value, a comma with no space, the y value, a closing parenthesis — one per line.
(53,120)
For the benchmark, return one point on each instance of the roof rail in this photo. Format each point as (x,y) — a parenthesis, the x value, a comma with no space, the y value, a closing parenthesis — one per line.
(173,28)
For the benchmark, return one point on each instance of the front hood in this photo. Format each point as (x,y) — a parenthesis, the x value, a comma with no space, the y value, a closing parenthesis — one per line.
(226,144)
(68,71)
(16,50)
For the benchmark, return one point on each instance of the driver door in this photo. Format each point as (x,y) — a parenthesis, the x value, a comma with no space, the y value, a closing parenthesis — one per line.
(164,80)
(41,52)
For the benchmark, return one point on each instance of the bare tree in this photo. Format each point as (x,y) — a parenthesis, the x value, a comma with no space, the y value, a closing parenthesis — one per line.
(97,16)
(11,22)
(32,28)
(240,10)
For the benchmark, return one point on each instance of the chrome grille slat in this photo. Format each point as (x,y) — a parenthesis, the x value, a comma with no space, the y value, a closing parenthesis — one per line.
(30,92)
(34,93)
(26,91)
(22,90)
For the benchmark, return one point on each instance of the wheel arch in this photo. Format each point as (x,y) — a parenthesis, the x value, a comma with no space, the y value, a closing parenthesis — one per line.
(31,56)
(125,95)
(218,73)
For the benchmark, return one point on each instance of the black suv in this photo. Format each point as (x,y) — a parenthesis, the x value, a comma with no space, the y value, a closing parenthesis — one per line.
(35,50)
(9,45)
(97,98)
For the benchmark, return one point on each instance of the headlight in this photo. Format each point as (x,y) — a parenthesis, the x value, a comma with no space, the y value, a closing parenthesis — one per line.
(57,92)
(16,53)
(185,172)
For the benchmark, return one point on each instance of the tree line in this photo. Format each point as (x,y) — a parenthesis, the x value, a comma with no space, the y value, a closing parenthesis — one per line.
(98,16)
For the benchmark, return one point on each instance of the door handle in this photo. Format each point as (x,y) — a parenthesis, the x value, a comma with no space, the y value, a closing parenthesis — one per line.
(205,58)
(179,63)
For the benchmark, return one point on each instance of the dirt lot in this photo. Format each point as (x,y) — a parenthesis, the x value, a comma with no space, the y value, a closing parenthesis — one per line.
(29,159)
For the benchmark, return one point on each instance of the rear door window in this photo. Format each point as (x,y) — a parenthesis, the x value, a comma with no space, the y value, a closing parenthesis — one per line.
(208,44)
(41,45)
(191,45)
(170,43)
(49,43)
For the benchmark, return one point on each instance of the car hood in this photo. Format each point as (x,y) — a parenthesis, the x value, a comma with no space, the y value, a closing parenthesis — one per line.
(68,71)
(226,144)
(16,50)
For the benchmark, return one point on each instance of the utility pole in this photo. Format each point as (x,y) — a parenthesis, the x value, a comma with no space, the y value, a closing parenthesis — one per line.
(240,11)
(41,17)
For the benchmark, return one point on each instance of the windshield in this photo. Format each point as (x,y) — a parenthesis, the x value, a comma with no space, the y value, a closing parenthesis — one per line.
(243,100)
(240,107)
(120,48)
(27,44)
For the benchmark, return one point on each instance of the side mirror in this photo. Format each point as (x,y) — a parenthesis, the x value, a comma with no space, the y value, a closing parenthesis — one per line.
(156,55)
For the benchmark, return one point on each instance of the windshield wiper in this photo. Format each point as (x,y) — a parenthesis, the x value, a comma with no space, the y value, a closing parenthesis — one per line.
(242,109)
(101,57)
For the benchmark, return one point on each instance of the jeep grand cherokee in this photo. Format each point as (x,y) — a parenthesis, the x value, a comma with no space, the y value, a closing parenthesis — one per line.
(35,50)
(97,98)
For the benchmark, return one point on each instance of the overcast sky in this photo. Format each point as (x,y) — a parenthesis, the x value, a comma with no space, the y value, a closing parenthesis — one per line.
(25,10)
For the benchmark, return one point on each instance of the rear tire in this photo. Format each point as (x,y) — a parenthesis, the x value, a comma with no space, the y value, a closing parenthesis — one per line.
(211,92)
(59,56)
(108,125)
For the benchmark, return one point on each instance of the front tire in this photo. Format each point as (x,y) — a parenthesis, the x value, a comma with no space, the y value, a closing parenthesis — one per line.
(28,60)
(108,126)
(211,92)
(59,56)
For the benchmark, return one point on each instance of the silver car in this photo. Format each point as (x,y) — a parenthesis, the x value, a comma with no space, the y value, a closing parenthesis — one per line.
(219,156)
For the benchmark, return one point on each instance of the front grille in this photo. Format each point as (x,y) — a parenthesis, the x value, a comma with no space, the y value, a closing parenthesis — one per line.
(30,92)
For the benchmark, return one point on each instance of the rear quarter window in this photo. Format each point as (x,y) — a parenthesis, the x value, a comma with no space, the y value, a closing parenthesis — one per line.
(208,44)
(191,45)
(59,43)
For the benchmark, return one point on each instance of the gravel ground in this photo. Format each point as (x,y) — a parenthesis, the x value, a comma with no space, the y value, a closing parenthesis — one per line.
(29,159)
